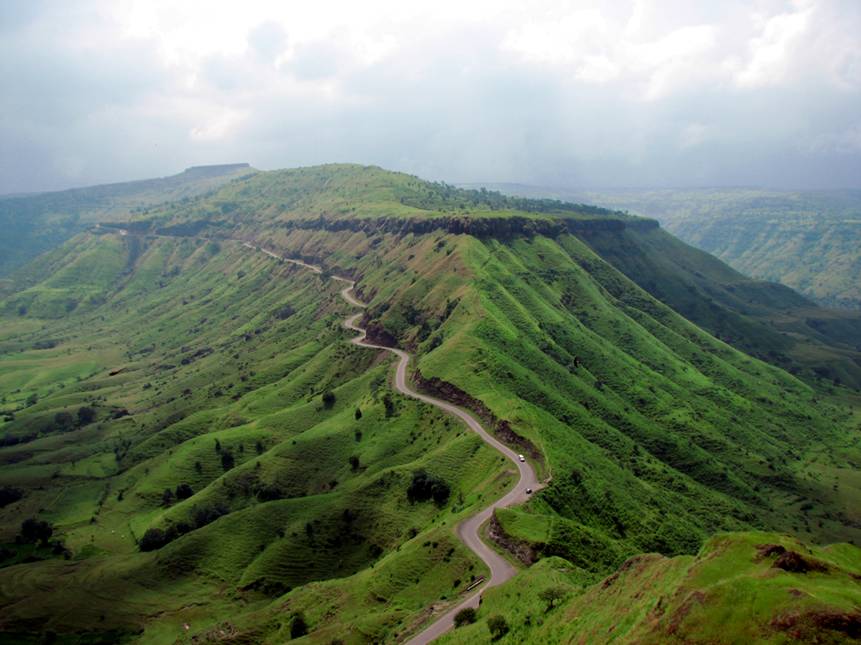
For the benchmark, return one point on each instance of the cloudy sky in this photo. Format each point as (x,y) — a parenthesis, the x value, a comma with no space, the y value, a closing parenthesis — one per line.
(576,94)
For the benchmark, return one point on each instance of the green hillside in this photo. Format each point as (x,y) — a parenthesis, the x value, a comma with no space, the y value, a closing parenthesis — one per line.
(229,461)
(33,224)
(752,587)
(810,240)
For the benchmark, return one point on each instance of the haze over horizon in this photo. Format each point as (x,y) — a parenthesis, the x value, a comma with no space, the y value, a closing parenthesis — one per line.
(566,94)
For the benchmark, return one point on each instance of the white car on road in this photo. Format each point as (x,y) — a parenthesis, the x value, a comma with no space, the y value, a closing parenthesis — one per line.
(521,458)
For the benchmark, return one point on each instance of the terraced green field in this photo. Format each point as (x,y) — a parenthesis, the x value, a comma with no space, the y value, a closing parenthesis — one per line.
(242,463)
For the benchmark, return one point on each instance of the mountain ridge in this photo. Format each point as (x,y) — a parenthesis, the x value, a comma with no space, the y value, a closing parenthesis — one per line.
(228,371)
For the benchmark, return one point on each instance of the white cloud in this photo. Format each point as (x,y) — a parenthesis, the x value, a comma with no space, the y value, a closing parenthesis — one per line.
(771,50)
(611,92)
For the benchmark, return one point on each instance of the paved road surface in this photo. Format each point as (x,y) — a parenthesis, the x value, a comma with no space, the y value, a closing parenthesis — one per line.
(468,530)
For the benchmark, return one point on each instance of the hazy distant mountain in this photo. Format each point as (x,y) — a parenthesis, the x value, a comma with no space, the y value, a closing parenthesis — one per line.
(35,223)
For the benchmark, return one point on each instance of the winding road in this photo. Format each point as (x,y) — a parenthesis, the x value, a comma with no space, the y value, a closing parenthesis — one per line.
(468,530)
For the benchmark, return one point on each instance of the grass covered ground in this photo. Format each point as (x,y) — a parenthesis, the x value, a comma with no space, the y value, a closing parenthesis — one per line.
(262,461)
(739,588)
(194,352)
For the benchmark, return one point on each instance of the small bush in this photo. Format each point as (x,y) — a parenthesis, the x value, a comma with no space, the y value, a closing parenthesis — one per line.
(298,626)
(184,491)
(465,616)
(9,495)
(328,399)
(152,540)
(425,486)
(86,415)
(498,627)
(283,313)
(33,530)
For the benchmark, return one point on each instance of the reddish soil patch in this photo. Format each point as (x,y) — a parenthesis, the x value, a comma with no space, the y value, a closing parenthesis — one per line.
(811,624)
(796,563)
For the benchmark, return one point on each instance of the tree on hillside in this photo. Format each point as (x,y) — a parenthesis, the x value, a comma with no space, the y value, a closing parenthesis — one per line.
(358,413)
(33,530)
(465,616)
(298,626)
(167,497)
(153,539)
(86,415)
(498,627)
(552,595)
(9,495)
(328,399)
(227,460)
(184,491)
(425,486)
(354,463)
(389,404)
(64,420)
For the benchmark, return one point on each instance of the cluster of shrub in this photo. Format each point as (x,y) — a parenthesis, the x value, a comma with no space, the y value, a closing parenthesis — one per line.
(38,532)
(156,538)
(67,421)
(182,491)
(425,486)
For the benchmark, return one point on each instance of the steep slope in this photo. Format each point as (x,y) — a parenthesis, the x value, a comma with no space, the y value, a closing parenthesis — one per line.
(763,319)
(808,240)
(655,433)
(33,224)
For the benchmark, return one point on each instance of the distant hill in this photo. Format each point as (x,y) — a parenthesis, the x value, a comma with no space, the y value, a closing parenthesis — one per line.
(808,240)
(35,223)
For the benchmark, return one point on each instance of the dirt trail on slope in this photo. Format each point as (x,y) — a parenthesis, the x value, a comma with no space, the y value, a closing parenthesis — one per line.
(468,530)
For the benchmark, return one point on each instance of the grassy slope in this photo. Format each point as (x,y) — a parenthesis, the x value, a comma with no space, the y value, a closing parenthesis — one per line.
(656,434)
(727,593)
(766,320)
(258,394)
(661,437)
(806,240)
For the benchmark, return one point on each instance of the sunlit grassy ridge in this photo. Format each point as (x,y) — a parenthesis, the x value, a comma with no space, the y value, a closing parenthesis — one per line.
(656,434)
(730,592)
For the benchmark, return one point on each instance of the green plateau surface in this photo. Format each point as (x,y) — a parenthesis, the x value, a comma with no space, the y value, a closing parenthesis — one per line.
(573,331)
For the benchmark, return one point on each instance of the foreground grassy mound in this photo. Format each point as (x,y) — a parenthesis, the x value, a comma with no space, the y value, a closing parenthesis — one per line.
(739,588)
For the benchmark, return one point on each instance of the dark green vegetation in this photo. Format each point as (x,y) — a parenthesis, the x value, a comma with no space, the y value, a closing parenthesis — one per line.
(810,240)
(245,470)
(809,233)
(33,224)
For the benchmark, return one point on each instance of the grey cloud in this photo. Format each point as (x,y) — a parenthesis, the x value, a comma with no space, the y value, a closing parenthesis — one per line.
(450,103)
